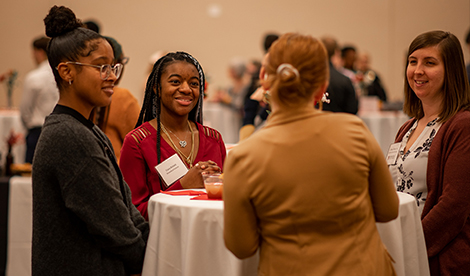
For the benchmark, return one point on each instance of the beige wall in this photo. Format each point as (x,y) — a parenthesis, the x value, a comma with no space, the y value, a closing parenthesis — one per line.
(384,28)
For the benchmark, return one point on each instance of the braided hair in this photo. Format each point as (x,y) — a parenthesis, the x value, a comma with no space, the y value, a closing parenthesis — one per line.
(151,107)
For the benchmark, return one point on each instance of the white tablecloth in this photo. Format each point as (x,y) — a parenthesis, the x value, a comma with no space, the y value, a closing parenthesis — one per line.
(384,126)
(20,222)
(10,120)
(222,118)
(186,238)
(404,239)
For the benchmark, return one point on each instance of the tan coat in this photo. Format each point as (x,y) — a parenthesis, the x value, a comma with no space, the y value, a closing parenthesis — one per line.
(306,191)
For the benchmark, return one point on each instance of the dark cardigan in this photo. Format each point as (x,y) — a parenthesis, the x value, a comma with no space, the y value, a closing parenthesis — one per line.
(445,216)
(84,222)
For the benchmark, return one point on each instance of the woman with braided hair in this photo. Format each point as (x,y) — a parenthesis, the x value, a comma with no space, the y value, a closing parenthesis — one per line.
(170,123)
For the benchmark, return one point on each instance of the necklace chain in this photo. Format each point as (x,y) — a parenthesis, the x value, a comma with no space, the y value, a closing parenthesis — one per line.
(188,159)
(182,143)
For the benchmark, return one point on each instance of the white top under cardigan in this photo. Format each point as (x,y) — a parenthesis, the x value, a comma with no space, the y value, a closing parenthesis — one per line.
(409,171)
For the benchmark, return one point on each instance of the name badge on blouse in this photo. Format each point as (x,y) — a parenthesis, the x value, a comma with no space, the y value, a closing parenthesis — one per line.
(392,154)
(171,169)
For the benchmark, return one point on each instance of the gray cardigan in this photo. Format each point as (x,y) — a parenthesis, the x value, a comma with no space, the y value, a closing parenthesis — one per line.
(84,222)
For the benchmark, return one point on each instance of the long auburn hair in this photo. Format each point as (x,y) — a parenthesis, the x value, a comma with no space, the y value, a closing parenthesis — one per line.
(297,67)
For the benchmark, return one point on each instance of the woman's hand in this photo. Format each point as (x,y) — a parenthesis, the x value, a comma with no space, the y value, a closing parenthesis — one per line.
(193,178)
(258,95)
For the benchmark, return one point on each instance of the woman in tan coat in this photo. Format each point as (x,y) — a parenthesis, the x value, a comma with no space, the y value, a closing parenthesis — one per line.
(307,189)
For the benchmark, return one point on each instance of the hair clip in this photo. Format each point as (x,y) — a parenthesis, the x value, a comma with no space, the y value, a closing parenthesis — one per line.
(287,65)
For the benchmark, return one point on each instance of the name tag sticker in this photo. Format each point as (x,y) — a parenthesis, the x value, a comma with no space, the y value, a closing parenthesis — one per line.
(171,169)
(392,154)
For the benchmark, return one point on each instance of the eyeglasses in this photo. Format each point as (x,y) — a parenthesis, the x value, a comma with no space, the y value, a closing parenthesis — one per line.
(105,69)
(124,60)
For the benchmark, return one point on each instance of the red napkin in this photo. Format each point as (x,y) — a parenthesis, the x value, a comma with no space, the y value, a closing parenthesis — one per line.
(204,197)
(184,192)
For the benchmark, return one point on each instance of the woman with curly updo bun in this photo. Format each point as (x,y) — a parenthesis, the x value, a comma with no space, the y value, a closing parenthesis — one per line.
(84,222)
(308,188)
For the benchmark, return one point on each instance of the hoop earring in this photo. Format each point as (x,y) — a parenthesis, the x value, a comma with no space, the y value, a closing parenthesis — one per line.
(70,82)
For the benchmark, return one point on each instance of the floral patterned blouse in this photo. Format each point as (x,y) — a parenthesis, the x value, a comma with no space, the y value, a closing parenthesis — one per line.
(409,171)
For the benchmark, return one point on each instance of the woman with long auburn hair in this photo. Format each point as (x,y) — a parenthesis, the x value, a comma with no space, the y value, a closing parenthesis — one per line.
(308,188)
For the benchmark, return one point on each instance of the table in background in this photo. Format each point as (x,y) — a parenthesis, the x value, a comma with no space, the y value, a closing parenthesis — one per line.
(222,118)
(384,126)
(4,197)
(186,238)
(10,119)
(19,224)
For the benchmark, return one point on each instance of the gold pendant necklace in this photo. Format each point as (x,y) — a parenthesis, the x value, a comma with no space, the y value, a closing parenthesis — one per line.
(182,143)
(188,159)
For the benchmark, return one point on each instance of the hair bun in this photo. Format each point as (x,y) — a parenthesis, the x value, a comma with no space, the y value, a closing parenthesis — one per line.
(60,20)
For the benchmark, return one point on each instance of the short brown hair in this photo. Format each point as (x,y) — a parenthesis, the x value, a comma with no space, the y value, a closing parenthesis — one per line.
(455,87)
(41,43)
(308,56)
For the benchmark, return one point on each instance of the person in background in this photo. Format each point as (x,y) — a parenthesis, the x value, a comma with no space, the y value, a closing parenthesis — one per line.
(92,25)
(40,95)
(234,96)
(434,148)
(348,61)
(253,71)
(309,186)
(348,57)
(341,92)
(169,124)
(368,80)
(120,117)
(255,109)
(269,39)
(84,222)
